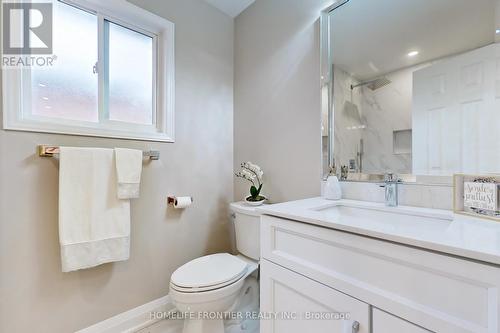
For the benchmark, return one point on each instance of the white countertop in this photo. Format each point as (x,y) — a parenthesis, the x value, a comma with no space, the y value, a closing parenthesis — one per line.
(432,229)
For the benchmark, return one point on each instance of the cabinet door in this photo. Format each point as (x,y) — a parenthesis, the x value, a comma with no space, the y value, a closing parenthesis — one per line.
(292,303)
(383,322)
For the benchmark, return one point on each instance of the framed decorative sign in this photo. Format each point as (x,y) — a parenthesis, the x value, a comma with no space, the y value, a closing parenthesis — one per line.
(477,195)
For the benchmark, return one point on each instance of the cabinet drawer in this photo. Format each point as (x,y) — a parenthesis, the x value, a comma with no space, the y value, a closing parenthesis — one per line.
(434,291)
(385,323)
(304,305)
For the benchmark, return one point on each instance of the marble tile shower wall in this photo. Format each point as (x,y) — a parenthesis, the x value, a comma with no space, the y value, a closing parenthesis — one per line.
(376,115)
(418,195)
(385,110)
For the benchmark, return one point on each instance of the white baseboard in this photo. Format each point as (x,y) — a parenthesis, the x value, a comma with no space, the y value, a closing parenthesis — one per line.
(132,320)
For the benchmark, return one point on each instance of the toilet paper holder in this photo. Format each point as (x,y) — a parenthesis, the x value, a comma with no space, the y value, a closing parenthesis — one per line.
(172,200)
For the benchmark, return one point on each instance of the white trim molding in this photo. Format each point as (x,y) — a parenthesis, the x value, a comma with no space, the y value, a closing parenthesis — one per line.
(134,319)
(16,81)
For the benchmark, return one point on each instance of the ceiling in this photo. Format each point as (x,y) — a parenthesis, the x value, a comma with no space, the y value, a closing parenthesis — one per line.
(371,38)
(232,8)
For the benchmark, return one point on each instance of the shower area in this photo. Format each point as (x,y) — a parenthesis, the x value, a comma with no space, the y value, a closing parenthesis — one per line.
(372,123)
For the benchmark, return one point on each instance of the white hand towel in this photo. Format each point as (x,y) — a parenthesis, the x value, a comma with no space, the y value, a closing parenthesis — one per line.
(128,168)
(94,225)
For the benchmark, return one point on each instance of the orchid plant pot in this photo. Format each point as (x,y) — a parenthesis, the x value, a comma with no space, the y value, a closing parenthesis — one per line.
(255,201)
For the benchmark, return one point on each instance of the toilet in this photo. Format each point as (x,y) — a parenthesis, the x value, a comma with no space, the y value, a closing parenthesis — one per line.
(206,287)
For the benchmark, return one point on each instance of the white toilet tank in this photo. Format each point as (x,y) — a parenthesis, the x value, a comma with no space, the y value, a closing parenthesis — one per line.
(247,229)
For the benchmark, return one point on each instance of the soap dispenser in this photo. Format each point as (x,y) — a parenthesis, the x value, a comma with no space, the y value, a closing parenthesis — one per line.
(332,186)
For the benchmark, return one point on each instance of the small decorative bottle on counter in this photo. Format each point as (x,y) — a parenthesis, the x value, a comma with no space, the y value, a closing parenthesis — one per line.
(332,187)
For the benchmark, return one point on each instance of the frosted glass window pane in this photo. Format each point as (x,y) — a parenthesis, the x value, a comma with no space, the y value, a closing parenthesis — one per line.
(130,75)
(68,90)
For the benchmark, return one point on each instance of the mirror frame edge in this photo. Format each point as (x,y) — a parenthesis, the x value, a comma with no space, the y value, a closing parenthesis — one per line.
(326,78)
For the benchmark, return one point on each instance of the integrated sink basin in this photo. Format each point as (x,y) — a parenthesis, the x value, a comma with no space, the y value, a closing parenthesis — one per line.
(378,212)
(383,218)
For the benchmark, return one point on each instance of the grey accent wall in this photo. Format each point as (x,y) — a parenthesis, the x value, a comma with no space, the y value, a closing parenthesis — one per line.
(35,296)
(277,120)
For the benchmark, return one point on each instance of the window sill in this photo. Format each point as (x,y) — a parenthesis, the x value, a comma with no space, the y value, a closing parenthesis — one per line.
(91,132)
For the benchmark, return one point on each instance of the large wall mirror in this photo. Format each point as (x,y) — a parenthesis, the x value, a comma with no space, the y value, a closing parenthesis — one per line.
(411,87)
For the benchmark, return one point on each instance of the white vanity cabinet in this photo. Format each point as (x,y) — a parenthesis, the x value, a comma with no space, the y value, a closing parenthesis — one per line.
(386,287)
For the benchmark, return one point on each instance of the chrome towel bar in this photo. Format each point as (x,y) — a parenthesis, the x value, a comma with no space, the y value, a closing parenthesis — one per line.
(50,151)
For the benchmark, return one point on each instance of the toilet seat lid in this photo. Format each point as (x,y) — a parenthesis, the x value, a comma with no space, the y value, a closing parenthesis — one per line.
(207,271)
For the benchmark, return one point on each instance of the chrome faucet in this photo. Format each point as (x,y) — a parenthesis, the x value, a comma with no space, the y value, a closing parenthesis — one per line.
(391,189)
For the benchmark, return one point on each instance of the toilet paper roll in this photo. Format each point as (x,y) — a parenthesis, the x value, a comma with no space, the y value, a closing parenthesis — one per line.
(182,202)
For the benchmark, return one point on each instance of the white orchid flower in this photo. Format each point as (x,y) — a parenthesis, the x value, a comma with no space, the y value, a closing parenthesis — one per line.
(255,169)
(247,174)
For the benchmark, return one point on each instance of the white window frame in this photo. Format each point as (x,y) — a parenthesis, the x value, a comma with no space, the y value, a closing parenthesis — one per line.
(16,82)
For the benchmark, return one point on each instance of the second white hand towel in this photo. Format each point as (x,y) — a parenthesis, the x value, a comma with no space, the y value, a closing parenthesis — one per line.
(94,225)
(128,168)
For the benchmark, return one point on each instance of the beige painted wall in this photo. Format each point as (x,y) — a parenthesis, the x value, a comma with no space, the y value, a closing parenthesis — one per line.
(34,295)
(277,112)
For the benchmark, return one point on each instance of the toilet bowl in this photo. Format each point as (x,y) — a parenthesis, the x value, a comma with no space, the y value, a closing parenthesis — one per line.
(205,288)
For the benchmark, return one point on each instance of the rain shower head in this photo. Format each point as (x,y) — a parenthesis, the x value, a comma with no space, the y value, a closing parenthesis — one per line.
(373,84)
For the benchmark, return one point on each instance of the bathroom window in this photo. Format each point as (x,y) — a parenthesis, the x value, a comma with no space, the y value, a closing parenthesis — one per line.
(112,75)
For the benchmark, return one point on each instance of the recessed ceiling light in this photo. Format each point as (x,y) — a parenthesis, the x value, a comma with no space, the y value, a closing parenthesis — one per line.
(412,53)
(497,31)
